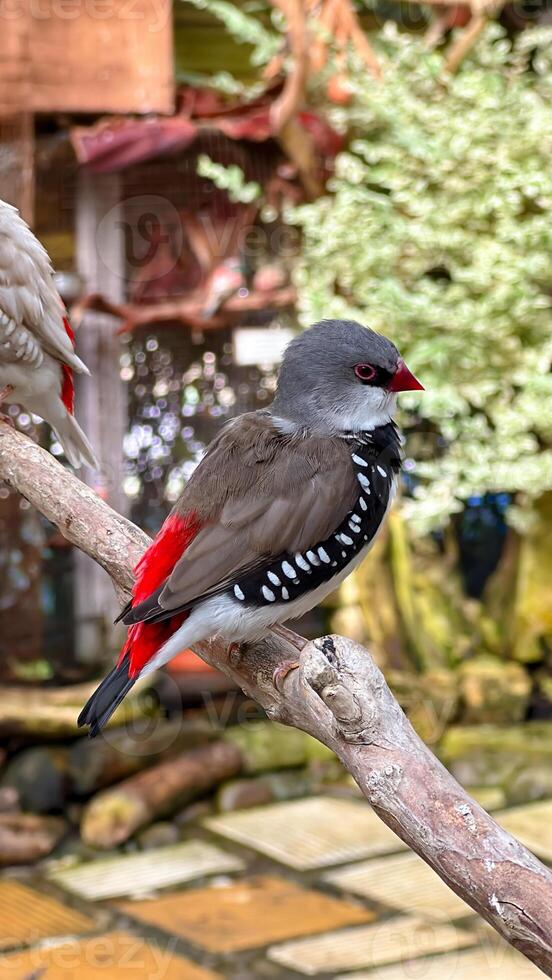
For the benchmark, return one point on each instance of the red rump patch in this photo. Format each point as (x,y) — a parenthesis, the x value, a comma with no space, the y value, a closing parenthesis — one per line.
(155,565)
(69,330)
(68,388)
(144,640)
(163,553)
(67,383)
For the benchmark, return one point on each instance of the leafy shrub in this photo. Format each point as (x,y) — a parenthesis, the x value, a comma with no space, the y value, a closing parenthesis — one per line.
(437,230)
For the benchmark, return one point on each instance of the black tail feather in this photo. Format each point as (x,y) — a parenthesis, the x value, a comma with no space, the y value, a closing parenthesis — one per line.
(106,698)
(124,611)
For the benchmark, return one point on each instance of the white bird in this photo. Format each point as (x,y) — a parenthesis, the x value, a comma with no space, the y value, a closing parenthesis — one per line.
(37,355)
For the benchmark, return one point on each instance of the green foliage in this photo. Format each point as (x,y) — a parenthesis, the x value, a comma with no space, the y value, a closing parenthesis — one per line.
(437,230)
(230,178)
(244,27)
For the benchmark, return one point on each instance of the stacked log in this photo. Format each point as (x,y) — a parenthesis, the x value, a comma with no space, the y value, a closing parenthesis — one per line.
(141,778)
(27,837)
(96,763)
(114,815)
(147,777)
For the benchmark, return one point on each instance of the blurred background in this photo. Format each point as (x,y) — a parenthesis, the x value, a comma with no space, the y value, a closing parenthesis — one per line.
(210,177)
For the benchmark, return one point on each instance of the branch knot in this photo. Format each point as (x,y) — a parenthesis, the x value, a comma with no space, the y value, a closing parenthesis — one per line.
(322,671)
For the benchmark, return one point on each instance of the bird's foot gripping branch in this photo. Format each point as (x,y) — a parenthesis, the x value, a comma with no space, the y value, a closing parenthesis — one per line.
(338,695)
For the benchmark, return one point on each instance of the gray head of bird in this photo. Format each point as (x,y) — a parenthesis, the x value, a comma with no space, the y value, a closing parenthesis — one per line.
(339,376)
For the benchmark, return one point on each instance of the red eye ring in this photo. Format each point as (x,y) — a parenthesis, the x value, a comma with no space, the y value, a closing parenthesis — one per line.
(365,372)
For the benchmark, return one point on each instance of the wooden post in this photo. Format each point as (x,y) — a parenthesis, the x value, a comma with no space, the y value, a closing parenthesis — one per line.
(17,162)
(21,533)
(101,399)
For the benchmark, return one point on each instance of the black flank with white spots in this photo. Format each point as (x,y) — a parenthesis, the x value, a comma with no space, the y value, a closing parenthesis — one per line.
(376,459)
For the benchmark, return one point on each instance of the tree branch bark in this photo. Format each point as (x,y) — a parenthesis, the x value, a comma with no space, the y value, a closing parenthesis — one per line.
(339,696)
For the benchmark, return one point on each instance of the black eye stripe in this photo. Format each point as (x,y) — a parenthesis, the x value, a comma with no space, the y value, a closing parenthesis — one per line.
(380,379)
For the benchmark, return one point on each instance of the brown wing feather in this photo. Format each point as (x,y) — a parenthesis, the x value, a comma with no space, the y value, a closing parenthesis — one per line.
(260,493)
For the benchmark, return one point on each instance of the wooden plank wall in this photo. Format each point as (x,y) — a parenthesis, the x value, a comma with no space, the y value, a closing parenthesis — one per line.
(87,56)
(14,63)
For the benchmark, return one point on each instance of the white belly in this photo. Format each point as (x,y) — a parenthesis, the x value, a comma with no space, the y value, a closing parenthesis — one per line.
(31,385)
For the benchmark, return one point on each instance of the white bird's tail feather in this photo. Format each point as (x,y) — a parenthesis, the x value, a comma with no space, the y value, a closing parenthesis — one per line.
(75,444)
(76,363)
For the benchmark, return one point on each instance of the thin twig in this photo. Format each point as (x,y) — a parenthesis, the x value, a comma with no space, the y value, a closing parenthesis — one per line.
(464,42)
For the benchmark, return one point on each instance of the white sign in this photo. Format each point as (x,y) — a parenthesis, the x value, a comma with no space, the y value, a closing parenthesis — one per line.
(260,345)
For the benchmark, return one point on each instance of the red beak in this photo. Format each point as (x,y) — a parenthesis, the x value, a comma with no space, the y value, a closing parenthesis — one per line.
(404,380)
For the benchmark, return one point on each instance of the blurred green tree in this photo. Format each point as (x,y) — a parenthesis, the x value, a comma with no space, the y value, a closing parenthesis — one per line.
(437,230)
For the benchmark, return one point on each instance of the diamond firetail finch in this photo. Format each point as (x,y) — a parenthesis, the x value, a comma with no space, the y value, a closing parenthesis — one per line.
(284,505)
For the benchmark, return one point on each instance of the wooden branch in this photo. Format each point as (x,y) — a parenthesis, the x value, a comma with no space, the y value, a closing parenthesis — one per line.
(298,145)
(187,311)
(465,41)
(359,40)
(437,29)
(338,695)
(290,100)
(482,12)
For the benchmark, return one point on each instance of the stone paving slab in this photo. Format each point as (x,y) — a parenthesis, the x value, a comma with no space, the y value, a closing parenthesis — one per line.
(478,964)
(113,956)
(141,873)
(311,833)
(28,916)
(246,914)
(394,940)
(401,881)
(532,825)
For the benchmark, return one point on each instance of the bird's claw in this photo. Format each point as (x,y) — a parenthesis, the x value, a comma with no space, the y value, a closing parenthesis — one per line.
(281,672)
